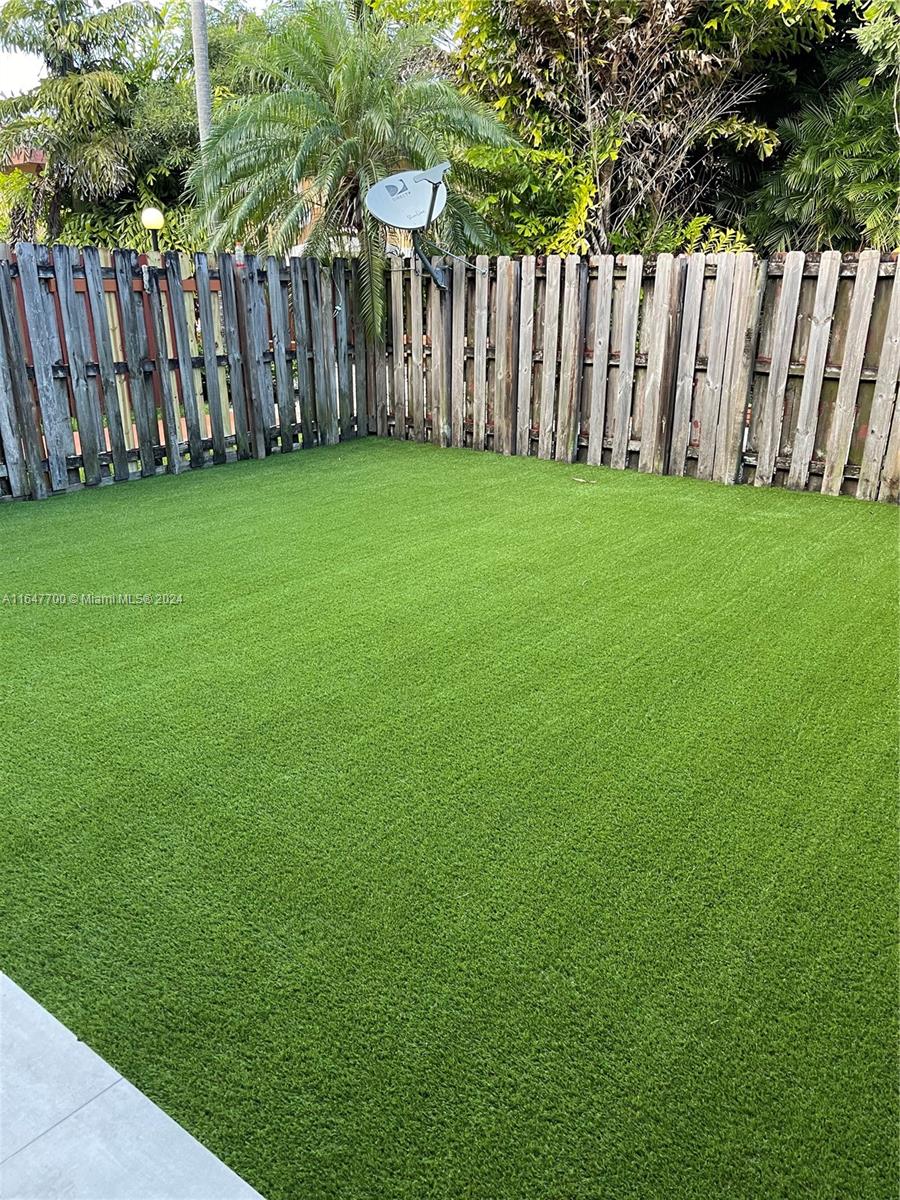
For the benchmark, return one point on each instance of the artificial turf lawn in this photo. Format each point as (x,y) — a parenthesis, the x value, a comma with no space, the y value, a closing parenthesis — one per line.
(468,830)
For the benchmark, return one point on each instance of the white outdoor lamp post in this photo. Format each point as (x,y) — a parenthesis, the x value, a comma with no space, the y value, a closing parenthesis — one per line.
(153,219)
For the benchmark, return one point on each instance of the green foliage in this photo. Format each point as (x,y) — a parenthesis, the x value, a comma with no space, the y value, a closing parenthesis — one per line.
(16,205)
(637,99)
(442,14)
(538,199)
(120,225)
(347,97)
(139,108)
(618,123)
(690,235)
(77,114)
(768,30)
(839,183)
(879,35)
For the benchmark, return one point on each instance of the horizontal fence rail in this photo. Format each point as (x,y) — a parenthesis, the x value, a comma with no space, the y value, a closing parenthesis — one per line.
(726,367)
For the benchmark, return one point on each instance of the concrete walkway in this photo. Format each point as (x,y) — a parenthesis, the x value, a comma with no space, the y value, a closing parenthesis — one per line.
(71,1128)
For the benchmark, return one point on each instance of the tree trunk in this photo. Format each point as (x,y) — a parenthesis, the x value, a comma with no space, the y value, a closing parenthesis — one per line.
(200,40)
(54,218)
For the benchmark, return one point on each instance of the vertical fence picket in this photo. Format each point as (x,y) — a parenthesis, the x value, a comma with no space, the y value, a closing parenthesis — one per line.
(737,372)
(710,399)
(548,355)
(884,401)
(317,346)
(210,364)
(439,325)
(189,399)
(600,356)
(330,424)
(692,302)
(139,390)
(363,361)
(221,351)
(303,350)
(479,366)
(231,334)
(170,422)
(342,346)
(416,358)
(77,341)
(660,355)
(851,370)
(525,368)
(284,383)
(187,296)
(816,357)
(258,334)
(458,357)
(504,352)
(54,349)
(106,371)
(398,350)
(39,481)
(11,434)
(569,364)
(772,413)
(631,301)
(361,357)
(54,414)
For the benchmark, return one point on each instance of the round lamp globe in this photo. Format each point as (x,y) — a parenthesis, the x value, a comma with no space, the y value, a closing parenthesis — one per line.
(152,218)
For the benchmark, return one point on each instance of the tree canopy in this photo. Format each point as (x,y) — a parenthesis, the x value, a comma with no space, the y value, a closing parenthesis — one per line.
(573,125)
(347,97)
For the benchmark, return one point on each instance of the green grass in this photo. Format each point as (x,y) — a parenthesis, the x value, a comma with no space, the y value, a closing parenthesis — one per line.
(468,830)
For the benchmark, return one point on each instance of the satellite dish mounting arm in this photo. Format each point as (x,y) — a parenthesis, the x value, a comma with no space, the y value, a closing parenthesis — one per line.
(435,272)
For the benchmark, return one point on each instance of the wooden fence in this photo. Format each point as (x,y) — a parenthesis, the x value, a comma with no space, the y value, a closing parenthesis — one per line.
(113,366)
(725,367)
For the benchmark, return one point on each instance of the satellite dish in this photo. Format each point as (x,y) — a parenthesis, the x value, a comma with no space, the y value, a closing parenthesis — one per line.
(409,199)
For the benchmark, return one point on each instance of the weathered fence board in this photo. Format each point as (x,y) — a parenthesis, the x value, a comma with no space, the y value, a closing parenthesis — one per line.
(11,446)
(631,301)
(746,298)
(170,422)
(884,402)
(210,363)
(851,370)
(138,386)
(816,356)
(780,372)
(234,352)
(479,399)
(185,368)
(44,340)
(550,318)
(600,357)
(567,413)
(27,411)
(106,371)
(284,384)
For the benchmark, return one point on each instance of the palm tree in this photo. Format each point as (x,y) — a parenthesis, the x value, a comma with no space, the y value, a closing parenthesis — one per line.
(839,181)
(76,114)
(346,98)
